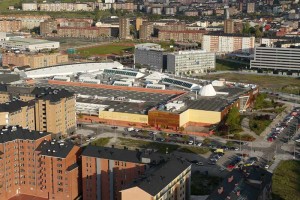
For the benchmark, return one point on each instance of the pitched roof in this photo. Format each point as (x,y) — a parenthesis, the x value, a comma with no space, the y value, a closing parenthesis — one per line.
(161,176)
(14,106)
(122,154)
(55,149)
(246,183)
(14,132)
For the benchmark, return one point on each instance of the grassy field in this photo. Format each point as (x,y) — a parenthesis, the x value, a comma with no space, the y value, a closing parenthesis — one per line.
(161,148)
(258,126)
(101,141)
(286,181)
(273,82)
(105,49)
(195,150)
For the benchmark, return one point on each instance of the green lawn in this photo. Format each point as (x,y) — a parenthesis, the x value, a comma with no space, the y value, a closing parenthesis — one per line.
(195,150)
(258,125)
(105,49)
(286,181)
(273,82)
(161,148)
(101,141)
(224,65)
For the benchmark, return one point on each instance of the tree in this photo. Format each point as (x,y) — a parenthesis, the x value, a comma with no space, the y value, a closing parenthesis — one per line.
(233,119)
(246,28)
(181,128)
(207,141)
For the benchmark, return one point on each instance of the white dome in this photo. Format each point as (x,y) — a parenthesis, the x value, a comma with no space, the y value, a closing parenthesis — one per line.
(208,91)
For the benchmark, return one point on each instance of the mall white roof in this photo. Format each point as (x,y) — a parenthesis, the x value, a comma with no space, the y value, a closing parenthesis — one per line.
(71,69)
(208,91)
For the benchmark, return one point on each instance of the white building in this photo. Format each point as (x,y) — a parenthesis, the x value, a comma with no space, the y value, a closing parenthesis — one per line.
(192,61)
(222,44)
(276,58)
(72,69)
(29,6)
(29,44)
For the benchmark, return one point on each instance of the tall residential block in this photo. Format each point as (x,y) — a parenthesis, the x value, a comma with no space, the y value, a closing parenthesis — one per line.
(170,180)
(124,29)
(228,43)
(33,164)
(19,162)
(146,31)
(228,26)
(53,109)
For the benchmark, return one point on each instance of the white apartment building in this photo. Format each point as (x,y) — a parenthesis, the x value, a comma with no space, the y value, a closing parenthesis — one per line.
(191,61)
(223,44)
(276,58)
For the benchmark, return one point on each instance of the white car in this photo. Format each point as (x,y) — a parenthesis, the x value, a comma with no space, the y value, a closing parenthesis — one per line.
(92,138)
(267,166)
(191,142)
(297,140)
(199,144)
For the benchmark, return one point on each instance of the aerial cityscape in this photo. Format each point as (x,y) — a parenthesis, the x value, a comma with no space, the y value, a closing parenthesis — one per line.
(150,100)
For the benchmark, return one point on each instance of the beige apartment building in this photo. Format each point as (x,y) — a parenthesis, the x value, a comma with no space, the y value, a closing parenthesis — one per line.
(229,26)
(17,113)
(9,26)
(167,182)
(146,30)
(182,36)
(41,109)
(33,60)
(124,30)
(87,32)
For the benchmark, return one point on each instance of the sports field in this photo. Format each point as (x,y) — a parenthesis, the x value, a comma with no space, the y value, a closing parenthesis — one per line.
(106,49)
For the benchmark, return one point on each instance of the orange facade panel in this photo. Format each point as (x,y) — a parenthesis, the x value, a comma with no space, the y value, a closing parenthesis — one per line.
(163,119)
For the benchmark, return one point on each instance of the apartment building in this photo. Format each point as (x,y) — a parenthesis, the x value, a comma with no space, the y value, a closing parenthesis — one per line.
(33,60)
(29,6)
(10,26)
(54,110)
(250,7)
(87,32)
(192,61)
(277,59)
(172,27)
(128,6)
(182,36)
(229,26)
(110,173)
(146,31)
(76,22)
(170,180)
(59,170)
(228,43)
(19,162)
(33,164)
(124,30)
(105,171)
(48,27)
(18,113)
(149,54)
(27,21)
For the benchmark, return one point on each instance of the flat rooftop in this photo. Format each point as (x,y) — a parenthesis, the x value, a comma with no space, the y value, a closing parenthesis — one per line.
(121,106)
(107,92)
(28,41)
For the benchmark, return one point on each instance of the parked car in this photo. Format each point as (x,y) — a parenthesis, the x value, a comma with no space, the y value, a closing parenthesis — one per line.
(200,164)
